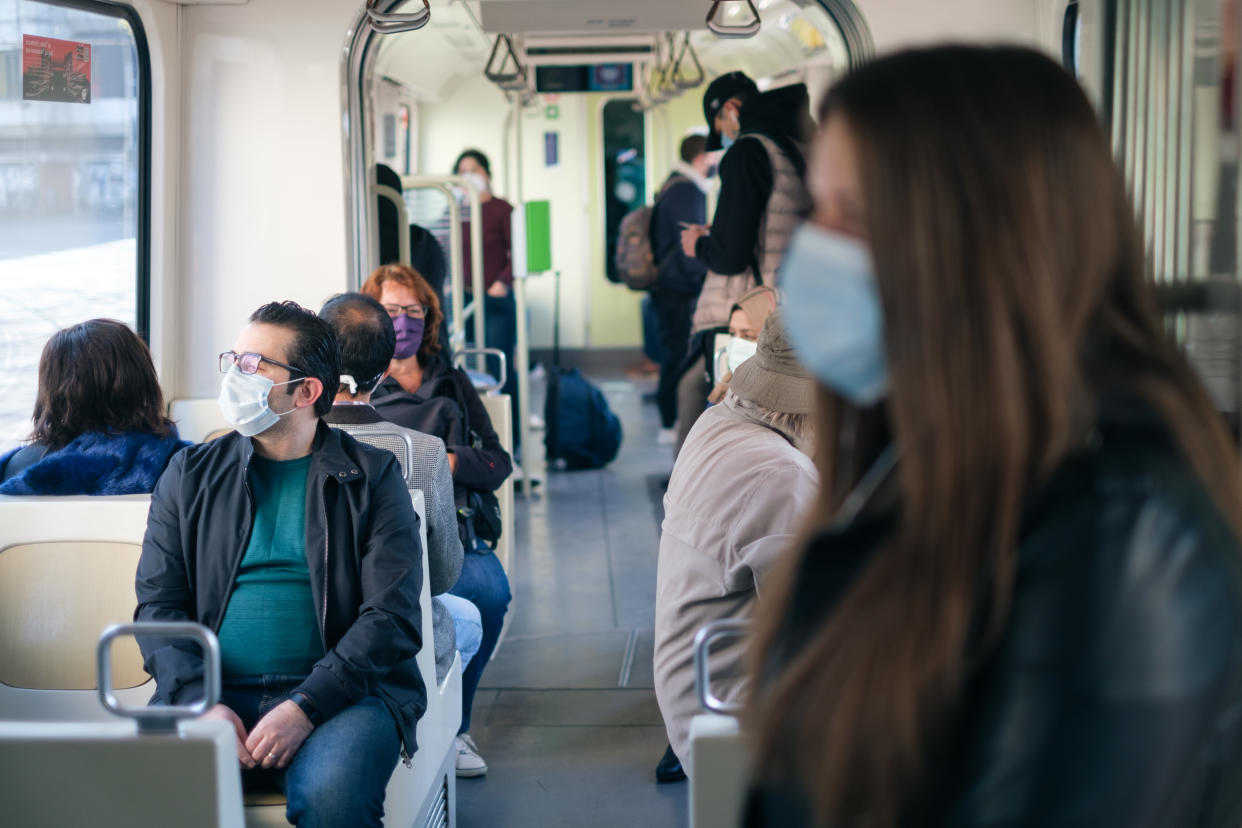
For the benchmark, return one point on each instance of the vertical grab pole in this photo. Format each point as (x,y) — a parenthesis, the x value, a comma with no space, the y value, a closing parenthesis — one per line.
(476,262)
(457,330)
(521,356)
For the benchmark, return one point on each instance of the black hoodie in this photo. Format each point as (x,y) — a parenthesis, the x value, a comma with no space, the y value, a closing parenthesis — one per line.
(746,176)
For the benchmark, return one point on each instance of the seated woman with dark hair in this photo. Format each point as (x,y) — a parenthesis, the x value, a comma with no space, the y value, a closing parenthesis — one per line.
(99,423)
(424,392)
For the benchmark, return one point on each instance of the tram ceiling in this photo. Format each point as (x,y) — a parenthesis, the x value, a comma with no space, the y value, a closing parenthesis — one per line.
(460,36)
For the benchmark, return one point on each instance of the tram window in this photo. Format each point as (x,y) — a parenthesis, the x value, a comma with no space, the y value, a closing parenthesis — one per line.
(625,171)
(73,183)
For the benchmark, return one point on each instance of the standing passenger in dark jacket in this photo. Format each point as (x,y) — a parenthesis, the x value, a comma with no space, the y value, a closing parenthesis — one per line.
(299,547)
(682,201)
(762,200)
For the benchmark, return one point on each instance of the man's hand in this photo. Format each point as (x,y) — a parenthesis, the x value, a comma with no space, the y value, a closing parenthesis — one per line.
(690,238)
(452,461)
(221,713)
(498,290)
(278,735)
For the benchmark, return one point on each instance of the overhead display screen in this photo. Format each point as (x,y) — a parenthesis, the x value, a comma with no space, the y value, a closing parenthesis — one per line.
(598,77)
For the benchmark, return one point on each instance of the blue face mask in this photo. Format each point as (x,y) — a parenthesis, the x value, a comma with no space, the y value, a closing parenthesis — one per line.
(833,315)
(725,141)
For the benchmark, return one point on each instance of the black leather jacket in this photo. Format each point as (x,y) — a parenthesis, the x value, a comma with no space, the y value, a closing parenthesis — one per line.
(363,552)
(1115,695)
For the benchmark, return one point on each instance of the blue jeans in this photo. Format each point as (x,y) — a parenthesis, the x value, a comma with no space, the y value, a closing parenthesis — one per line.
(484,583)
(467,625)
(339,775)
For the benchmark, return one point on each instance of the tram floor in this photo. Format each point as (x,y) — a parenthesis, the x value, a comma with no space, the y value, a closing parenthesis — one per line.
(566,715)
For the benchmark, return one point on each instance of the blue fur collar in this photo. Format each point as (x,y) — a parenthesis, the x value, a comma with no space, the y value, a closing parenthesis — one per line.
(97,464)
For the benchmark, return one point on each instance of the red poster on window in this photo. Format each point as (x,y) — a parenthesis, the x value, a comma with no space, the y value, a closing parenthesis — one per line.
(55,70)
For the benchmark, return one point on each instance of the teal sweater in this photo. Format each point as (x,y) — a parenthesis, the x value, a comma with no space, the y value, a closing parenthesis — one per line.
(270,625)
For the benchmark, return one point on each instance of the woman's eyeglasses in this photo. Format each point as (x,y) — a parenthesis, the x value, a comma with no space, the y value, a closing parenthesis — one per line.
(415,311)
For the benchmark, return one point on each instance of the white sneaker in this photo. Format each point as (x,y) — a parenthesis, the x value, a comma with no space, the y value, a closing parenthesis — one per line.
(667,437)
(469,762)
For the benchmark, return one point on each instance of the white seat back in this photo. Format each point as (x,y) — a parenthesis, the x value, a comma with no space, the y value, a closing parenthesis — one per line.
(499,411)
(718,766)
(719,759)
(107,775)
(67,568)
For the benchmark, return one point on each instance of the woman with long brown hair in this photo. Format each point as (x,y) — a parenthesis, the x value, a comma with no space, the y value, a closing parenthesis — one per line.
(1019,601)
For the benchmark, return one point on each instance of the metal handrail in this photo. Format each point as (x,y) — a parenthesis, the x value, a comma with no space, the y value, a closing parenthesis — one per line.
(688,48)
(386,23)
(160,718)
(459,361)
(461,311)
(403,221)
(734,32)
(702,671)
(515,80)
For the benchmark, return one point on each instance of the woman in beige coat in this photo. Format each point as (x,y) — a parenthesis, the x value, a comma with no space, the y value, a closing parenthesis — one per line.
(741,485)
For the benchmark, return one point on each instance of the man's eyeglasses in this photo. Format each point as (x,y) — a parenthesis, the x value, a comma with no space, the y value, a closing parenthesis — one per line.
(248,363)
(415,311)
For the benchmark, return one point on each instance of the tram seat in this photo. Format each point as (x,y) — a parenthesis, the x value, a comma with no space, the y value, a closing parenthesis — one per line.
(67,569)
(718,770)
(107,775)
(424,794)
(198,420)
(499,411)
(719,758)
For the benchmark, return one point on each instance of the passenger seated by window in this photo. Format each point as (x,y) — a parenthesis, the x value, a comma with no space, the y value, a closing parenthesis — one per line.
(746,320)
(739,489)
(99,423)
(293,541)
(1021,601)
(424,392)
(367,339)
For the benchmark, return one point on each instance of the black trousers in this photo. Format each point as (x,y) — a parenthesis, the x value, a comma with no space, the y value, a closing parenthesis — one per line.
(674,311)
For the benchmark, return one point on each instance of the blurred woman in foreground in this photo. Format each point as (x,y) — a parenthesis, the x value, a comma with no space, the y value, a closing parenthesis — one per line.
(1020,602)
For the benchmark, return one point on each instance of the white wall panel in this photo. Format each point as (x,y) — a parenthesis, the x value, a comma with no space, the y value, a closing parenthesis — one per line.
(262,204)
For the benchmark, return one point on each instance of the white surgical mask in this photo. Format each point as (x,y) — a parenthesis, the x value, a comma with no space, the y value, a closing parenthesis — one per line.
(477,181)
(740,350)
(833,313)
(244,403)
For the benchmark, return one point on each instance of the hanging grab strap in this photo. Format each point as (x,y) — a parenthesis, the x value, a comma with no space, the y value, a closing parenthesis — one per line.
(694,80)
(738,32)
(393,23)
(495,72)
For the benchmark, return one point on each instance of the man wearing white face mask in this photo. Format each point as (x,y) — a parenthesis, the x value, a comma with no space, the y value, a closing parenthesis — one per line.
(299,547)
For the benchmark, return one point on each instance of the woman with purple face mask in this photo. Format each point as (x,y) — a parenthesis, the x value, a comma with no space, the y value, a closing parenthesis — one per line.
(420,372)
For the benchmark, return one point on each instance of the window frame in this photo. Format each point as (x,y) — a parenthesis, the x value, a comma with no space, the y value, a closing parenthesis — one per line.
(142,236)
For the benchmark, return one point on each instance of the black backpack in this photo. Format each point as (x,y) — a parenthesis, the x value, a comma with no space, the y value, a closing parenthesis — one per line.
(437,409)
